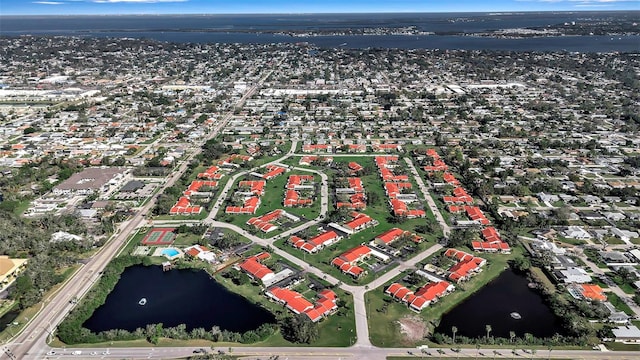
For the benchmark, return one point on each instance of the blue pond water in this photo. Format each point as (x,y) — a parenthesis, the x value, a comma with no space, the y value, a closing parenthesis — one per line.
(175,297)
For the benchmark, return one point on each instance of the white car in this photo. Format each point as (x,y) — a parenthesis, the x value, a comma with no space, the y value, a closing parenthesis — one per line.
(51,353)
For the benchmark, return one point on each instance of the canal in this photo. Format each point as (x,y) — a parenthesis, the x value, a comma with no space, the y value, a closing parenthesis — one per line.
(493,304)
(175,297)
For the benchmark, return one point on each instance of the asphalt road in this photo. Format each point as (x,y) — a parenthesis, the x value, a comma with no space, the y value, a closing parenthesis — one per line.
(31,342)
(354,352)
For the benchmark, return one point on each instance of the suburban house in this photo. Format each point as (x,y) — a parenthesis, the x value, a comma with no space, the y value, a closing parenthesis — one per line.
(200,252)
(587,291)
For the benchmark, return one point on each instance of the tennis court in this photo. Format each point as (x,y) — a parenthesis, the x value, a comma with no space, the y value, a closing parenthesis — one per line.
(159,236)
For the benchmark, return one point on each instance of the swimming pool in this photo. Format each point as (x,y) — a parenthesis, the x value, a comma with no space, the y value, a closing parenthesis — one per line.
(170,252)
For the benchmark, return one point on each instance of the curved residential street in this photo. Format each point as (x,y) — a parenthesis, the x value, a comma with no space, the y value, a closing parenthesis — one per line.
(32,342)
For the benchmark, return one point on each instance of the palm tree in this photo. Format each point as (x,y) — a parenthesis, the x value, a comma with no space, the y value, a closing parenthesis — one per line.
(477,349)
(549,347)
(512,335)
(488,328)
(454,330)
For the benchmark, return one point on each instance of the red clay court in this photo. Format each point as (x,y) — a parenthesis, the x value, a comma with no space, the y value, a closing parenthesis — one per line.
(159,236)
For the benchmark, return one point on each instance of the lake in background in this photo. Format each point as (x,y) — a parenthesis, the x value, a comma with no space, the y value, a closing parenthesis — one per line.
(175,297)
(493,304)
(245,29)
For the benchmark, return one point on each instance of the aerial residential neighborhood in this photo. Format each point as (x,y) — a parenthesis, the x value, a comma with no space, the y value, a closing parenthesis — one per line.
(469,201)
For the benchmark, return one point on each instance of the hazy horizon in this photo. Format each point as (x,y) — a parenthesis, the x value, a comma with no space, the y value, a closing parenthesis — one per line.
(291,7)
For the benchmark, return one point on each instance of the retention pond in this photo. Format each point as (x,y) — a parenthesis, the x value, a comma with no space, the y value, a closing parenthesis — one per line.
(497,305)
(175,297)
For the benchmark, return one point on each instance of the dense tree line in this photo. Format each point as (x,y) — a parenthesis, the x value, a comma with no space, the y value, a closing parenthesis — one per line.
(30,239)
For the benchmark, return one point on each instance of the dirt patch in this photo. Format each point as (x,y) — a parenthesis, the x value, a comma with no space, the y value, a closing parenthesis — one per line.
(412,328)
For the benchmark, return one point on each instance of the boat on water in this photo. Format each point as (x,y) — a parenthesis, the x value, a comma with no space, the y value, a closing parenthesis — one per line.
(142,301)
(516,315)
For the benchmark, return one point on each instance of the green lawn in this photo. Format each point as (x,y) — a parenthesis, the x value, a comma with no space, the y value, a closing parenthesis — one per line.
(383,326)
(378,209)
(272,200)
(618,303)
(188,239)
(622,347)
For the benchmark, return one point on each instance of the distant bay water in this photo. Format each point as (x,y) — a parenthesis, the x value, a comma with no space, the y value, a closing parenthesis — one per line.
(263,29)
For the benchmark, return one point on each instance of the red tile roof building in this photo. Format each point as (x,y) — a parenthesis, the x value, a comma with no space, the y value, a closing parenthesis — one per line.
(492,243)
(292,196)
(360,222)
(295,302)
(467,265)
(355,167)
(255,187)
(316,243)
(295,181)
(196,185)
(357,200)
(255,269)
(316,148)
(422,298)
(347,261)
(250,206)
(183,207)
(394,234)
(211,173)
(273,171)
(592,292)
(264,222)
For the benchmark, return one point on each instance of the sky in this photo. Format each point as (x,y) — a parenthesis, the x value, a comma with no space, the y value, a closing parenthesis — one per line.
(109,7)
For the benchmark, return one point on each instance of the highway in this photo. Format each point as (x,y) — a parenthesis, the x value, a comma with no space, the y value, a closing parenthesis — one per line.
(354,352)
(31,342)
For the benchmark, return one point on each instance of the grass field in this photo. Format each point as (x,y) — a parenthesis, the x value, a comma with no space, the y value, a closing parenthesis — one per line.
(184,240)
